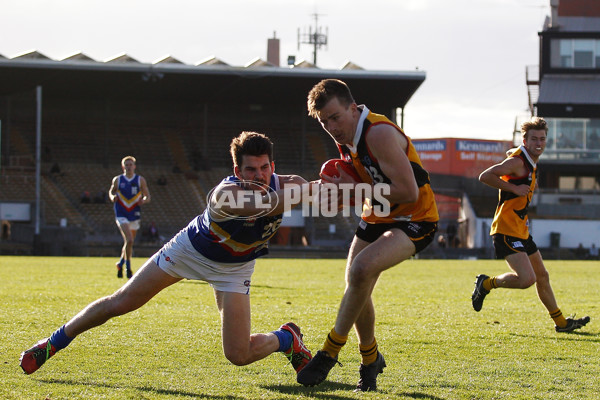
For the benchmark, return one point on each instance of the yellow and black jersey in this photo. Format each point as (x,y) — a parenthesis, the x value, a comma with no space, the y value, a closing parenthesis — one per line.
(367,166)
(511,213)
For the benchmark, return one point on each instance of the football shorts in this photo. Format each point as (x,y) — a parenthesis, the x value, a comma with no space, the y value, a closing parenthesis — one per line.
(133,225)
(421,233)
(507,245)
(180,259)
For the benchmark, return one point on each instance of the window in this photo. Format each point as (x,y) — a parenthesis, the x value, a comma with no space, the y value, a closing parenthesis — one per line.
(569,134)
(593,134)
(566,53)
(551,136)
(583,51)
(575,53)
(572,133)
(577,183)
(587,183)
(567,183)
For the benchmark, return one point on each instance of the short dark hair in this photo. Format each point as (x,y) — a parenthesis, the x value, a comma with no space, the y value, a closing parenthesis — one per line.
(326,90)
(252,144)
(535,123)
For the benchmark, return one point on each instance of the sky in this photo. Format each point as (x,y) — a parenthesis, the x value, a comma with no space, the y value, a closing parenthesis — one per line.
(474,52)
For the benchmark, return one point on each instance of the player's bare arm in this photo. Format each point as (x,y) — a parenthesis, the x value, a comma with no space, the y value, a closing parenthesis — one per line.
(511,167)
(389,148)
(232,199)
(112,192)
(145,192)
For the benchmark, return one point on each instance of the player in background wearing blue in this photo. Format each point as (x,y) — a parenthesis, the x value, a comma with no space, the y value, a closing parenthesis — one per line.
(128,191)
(220,247)
(515,179)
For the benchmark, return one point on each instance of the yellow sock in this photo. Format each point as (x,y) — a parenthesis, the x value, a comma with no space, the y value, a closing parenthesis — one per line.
(368,353)
(334,342)
(558,318)
(490,283)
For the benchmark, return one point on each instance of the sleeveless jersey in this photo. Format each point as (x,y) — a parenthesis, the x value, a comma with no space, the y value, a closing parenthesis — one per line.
(367,166)
(511,213)
(128,196)
(235,240)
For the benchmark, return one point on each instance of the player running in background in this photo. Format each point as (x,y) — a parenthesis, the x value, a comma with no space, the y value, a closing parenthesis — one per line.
(220,247)
(381,154)
(515,178)
(128,191)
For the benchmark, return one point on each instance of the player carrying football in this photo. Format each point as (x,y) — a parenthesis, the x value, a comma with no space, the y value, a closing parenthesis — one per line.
(515,178)
(381,154)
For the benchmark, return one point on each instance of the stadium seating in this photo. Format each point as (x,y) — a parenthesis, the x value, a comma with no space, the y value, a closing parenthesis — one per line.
(191,156)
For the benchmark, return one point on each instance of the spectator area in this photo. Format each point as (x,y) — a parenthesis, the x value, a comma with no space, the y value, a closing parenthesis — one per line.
(179,164)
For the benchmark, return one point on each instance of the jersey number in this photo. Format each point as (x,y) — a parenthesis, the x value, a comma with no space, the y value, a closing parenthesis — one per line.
(377,178)
(271,228)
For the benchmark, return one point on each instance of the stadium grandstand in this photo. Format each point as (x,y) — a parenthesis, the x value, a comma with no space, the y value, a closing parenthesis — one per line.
(178,121)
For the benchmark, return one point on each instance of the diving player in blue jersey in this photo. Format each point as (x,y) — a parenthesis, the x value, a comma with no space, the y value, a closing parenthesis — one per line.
(219,247)
(128,191)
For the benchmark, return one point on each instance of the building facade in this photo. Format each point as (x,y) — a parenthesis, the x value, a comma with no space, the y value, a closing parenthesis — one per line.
(568,85)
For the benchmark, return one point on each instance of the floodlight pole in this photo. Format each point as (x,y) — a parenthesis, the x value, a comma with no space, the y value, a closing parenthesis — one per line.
(38,167)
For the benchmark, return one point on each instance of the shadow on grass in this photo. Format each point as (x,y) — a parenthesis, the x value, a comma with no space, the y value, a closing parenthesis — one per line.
(324,391)
(577,336)
(415,395)
(146,389)
(199,282)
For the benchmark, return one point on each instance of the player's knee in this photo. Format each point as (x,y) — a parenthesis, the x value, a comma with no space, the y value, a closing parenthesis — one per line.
(360,272)
(120,303)
(236,357)
(115,308)
(526,281)
(542,276)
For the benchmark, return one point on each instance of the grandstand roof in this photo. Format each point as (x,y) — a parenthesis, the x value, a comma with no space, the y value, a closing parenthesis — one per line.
(122,58)
(78,57)
(570,89)
(167,59)
(211,80)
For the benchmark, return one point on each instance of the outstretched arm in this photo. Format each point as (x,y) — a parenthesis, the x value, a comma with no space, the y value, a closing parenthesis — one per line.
(232,200)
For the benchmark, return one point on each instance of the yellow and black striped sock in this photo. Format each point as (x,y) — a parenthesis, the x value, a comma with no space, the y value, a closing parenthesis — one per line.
(334,342)
(368,353)
(490,283)
(558,318)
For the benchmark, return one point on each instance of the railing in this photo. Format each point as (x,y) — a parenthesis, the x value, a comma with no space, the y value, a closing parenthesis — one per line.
(532,78)
(571,211)
(577,155)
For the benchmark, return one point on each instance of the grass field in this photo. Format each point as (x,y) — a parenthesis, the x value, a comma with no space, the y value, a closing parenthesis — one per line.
(435,345)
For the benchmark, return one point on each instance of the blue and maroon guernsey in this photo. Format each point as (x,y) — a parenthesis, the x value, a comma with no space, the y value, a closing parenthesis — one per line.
(235,240)
(128,197)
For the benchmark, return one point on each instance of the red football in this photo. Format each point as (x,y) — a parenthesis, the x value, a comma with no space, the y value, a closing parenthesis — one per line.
(329,169)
